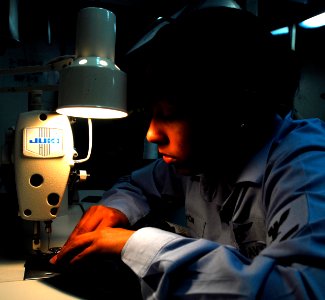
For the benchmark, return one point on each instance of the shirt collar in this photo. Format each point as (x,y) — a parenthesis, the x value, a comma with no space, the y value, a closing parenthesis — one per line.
(254,169)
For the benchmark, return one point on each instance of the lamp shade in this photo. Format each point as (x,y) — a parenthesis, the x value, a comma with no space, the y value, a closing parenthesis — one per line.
(92,86)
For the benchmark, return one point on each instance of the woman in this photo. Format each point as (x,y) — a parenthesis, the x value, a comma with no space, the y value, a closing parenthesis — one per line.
(250,175)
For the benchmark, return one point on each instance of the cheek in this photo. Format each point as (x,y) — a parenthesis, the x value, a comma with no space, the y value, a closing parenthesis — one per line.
(183,140)
(200,139)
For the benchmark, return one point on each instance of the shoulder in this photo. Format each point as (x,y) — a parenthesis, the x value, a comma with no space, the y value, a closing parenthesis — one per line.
(300,132)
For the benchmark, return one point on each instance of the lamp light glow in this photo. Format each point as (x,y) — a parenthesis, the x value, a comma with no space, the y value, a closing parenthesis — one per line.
(92,112)
(92,86)
(280,31)
(314,22)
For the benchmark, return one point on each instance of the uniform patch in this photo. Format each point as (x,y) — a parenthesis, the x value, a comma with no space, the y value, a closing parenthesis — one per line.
(288,221)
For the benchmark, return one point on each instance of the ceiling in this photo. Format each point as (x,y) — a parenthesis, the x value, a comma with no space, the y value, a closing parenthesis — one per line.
(26,22)
(280,13)
(54,21)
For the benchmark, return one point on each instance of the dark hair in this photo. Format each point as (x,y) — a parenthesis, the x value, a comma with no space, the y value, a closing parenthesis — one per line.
(211,54)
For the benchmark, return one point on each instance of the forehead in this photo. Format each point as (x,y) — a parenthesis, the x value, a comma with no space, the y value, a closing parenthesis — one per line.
(164,104)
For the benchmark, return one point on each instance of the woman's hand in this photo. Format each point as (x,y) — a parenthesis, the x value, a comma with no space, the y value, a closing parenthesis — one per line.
(99,216)
(90,233)
(103,241)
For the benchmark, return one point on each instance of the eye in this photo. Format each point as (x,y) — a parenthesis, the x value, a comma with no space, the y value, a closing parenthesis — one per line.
(166,111)
(167,115)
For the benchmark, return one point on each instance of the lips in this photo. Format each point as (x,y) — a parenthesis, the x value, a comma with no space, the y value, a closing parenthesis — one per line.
(168,159)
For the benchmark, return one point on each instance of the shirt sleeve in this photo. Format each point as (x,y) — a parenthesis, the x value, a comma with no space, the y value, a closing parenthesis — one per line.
(134,194)
(174,267)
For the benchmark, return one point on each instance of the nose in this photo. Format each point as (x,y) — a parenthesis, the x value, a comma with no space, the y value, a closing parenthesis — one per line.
(155,133)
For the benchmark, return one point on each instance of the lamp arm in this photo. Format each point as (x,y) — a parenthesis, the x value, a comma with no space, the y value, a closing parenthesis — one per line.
(90,130)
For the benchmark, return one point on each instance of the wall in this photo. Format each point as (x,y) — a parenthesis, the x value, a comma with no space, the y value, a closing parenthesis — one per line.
(310,47)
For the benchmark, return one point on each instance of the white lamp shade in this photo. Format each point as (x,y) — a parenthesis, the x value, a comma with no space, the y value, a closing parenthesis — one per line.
(92,90)
(93,86)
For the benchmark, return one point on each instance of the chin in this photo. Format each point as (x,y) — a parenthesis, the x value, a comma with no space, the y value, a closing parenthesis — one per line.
(184,170)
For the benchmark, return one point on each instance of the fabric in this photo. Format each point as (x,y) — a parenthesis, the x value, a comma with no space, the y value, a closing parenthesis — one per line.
(260,238)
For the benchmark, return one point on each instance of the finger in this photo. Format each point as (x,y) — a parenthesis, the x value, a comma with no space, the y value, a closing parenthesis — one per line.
(53,259)
(82,255)
(87,223)
(73,247)
(95,217)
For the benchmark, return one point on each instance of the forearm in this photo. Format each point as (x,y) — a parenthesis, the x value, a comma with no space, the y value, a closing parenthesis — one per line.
(134,195)
(127,199)
(169,265)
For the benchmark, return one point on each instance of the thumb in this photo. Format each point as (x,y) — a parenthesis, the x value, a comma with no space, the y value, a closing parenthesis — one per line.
(53,259)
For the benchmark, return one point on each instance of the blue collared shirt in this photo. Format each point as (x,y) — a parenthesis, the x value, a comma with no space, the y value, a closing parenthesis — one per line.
(263,237)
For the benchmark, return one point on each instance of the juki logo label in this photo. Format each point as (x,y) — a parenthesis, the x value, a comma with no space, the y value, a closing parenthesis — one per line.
(45,141)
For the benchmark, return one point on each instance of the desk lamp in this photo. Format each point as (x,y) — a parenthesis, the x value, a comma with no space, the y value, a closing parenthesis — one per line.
(91,86)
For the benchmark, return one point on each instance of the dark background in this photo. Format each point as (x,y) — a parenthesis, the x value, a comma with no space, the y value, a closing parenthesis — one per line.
(51,25)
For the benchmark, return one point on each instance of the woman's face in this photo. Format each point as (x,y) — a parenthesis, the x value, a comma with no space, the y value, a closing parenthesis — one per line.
(192,139)
(172,132)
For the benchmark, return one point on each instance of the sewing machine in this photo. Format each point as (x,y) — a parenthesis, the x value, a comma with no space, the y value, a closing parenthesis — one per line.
(90,86)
